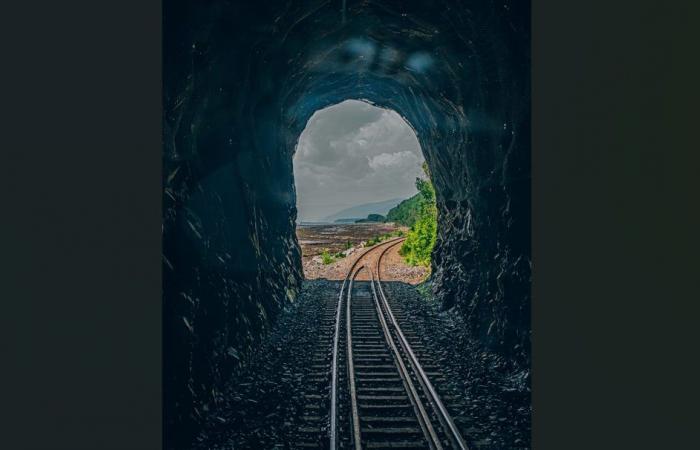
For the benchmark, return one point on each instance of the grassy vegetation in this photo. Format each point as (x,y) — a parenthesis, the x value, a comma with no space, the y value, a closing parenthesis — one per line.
(326,257)
(329,258)
(420,240)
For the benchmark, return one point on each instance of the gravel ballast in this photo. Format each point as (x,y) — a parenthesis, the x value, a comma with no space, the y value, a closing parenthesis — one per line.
(262,409)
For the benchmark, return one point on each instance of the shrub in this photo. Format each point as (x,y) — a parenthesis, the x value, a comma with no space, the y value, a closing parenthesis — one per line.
(420,239)
(326,257)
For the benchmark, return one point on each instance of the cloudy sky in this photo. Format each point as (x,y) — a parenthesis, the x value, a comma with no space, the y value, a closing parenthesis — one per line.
(354,153)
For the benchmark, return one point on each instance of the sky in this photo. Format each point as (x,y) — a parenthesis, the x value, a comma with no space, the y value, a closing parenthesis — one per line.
(354,153)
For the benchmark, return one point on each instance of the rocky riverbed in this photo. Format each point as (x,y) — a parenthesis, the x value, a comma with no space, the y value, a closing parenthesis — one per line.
(351,240)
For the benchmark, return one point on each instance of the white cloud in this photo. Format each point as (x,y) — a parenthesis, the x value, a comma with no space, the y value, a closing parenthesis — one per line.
(393,160)
(353,153)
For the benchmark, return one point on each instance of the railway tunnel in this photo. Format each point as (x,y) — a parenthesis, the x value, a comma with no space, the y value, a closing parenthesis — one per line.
(242,79)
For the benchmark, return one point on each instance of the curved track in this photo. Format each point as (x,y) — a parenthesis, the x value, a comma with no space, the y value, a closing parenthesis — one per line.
(379,394)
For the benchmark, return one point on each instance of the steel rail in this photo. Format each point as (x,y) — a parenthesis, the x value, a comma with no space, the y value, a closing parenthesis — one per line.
(439,407)
(351,369)
(333,444)
(421,414)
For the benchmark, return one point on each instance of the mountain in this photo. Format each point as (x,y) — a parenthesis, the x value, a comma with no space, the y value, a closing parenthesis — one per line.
(405,212)
(362,211)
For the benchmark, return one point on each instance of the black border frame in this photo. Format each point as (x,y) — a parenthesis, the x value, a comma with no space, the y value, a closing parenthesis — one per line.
(615,245)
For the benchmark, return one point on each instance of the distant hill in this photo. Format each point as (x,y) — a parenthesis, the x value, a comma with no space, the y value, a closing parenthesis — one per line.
(405,212)
(362,211)
(372,218)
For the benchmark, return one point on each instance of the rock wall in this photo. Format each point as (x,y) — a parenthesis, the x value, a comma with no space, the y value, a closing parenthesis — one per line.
(241,79)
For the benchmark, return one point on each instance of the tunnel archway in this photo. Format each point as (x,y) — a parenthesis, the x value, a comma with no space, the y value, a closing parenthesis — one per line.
(354,163)
(242,80)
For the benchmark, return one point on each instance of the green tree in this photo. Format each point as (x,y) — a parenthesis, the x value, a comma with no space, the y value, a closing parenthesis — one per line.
(406,212)
(420,239)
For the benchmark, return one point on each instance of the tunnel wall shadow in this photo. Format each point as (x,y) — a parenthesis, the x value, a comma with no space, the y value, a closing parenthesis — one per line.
(241,80)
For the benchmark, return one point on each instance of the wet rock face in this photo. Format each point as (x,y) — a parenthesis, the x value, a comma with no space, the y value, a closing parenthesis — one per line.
(241,79)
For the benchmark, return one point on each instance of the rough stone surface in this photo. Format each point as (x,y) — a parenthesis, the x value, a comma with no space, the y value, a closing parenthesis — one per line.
(262,408)
(241,79)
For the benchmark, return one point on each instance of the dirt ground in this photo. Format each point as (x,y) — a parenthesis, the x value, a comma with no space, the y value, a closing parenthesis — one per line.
(314,239)
(394,268)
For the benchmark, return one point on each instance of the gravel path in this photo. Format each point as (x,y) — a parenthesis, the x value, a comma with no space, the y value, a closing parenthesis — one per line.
(394,268)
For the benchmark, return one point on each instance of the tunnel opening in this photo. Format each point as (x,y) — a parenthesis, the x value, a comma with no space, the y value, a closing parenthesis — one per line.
(357,170)
(241,81)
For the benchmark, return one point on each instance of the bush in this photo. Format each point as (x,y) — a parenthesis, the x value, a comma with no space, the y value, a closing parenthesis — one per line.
(420,239)
(326,257)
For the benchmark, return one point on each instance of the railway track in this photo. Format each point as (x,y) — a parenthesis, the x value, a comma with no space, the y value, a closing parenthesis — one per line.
(373,387)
